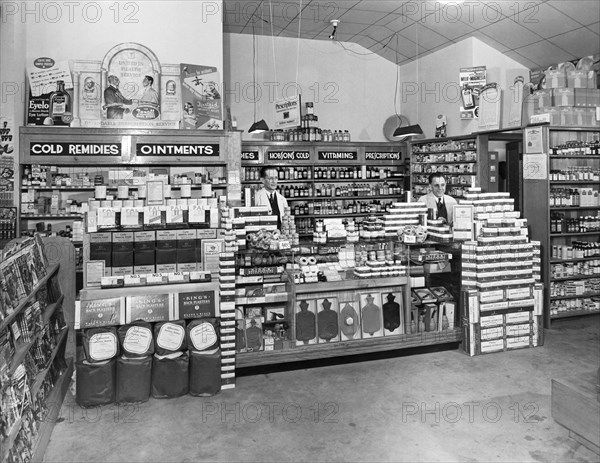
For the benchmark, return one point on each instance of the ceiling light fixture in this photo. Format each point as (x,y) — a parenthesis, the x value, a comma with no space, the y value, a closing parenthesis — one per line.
(334,23)
(414,129)
(260,126)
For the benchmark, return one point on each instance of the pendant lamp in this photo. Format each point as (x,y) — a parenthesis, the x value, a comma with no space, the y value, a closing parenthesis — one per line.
(408,131)
(257,126)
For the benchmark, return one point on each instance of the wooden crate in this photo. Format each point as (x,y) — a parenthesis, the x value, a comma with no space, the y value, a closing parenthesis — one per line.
(575,406)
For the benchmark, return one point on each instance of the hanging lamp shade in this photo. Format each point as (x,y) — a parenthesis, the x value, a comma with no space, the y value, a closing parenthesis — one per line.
(408,131)
(258,127)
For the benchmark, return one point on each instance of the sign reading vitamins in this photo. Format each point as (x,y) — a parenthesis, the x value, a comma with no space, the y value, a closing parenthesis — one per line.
(176,149)
(288,156)
(378,156)
(338,155)
(74,149)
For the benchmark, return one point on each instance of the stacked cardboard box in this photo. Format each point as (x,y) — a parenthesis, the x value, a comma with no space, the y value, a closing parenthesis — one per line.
(401,215)
(502,297)
(570,98)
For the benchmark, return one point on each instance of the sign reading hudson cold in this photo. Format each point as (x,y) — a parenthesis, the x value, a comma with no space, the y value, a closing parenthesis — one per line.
(74,149)
(176,149)
(288,155)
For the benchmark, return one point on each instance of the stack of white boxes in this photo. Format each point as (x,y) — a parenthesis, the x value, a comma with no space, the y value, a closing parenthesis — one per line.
(227,297)
(502,296)
(403,214)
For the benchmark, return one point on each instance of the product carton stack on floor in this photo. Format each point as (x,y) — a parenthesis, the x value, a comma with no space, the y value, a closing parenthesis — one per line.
(502,294)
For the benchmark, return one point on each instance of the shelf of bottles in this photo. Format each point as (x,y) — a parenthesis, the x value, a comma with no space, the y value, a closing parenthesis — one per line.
(346,180)
(574,210)
(456,159)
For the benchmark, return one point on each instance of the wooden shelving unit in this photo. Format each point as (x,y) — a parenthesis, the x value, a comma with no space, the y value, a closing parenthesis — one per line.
(542,215)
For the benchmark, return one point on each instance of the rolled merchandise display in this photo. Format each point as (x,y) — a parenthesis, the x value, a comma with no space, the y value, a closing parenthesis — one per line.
(134,379)
(170,376)
(96,367)
(134,367)
(205,357)
(136,339)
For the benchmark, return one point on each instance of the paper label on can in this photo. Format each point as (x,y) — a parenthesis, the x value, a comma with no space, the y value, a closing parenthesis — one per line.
(203,336)
(170,337)
(137,340)
(103,346)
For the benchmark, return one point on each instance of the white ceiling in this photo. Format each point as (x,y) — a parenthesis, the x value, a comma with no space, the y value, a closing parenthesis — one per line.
(535,33)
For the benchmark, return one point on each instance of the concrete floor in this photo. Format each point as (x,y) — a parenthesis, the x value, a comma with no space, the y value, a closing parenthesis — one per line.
(431,407)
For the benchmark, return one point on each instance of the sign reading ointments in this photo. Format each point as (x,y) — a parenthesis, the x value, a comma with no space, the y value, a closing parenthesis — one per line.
(176,149)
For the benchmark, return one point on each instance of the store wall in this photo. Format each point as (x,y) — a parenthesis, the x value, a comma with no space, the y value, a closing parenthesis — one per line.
(351,89)
(430,85)
(176,31)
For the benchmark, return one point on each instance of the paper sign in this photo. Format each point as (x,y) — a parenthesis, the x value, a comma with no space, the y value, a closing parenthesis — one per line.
(534,167)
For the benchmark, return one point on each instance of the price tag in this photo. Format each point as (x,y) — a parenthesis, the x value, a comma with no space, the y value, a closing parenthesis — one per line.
(155,278)
(130,216)
(411,239)
(196,214)
(177,277)
(106,217)
(152,215)
(133,280)
(92,221)
(285,244)
(174,214)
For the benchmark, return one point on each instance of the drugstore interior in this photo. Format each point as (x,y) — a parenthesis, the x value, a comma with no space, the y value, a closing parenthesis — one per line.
(365,328)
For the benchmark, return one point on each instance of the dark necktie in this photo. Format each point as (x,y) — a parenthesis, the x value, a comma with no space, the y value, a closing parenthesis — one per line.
(275,208)
(441,209)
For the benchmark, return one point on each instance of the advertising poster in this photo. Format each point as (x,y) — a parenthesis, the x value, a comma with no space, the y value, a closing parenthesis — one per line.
(129,91)
(472,80)
(47,103)
(287,113)
(7,160)
(201,97)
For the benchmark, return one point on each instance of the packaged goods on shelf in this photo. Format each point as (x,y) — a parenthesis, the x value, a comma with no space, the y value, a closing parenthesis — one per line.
(501,274)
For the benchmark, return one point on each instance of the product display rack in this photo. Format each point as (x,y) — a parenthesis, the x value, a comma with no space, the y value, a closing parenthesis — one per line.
(464,160)
(366,175)
(455,157)
(565,218)
(215,152)
(348,290)
(121,151)
(47,389)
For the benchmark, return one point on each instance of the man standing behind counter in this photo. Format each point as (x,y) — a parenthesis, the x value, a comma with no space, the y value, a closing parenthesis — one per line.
(269,196)
(437,199)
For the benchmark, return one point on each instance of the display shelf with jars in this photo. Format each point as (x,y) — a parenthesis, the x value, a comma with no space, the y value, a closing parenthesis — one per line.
(62,167)
(343,294)
(565,217)
(465,161)
(350,179)
(455,157)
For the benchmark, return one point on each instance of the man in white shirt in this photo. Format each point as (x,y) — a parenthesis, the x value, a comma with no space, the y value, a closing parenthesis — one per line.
(437,199)
(269,196)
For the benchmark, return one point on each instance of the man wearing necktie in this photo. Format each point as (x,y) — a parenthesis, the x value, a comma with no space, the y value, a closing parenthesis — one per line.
(438,199)
(269,196)
(114,101)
